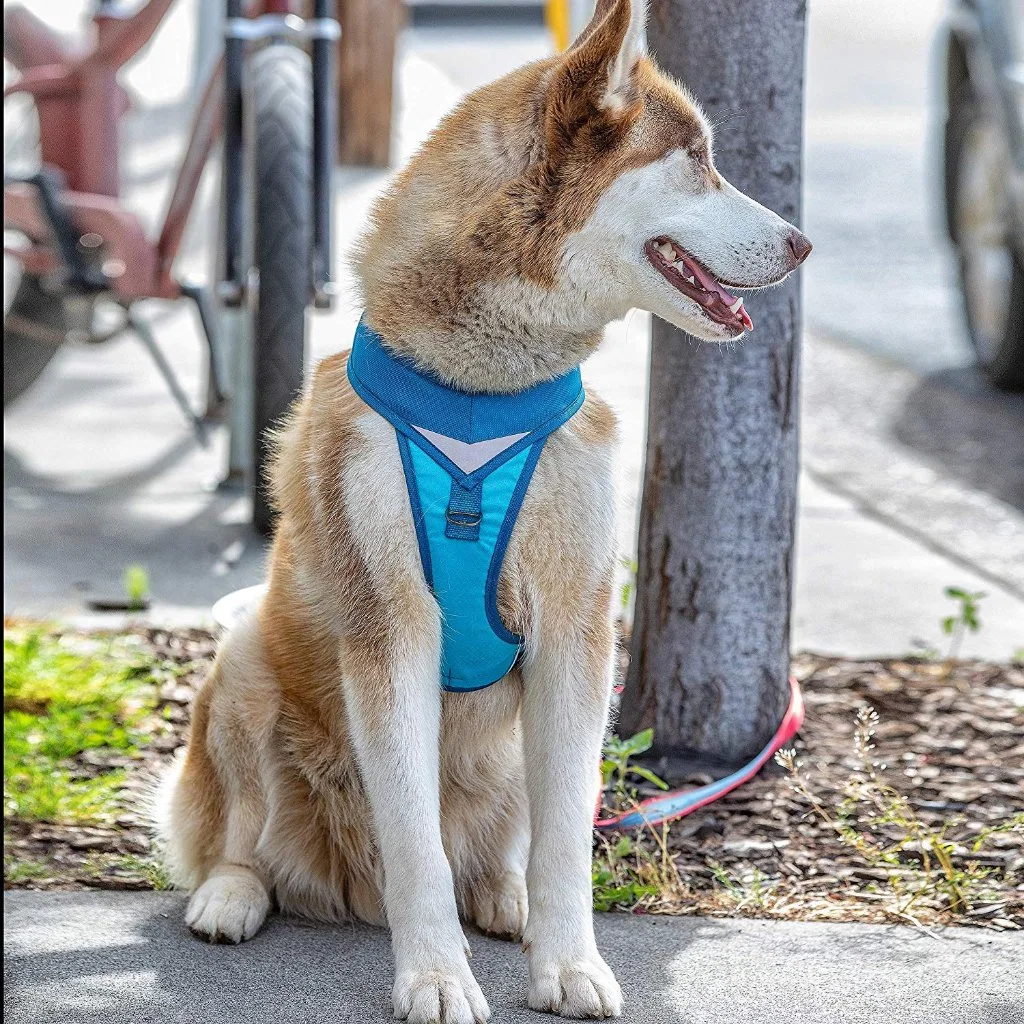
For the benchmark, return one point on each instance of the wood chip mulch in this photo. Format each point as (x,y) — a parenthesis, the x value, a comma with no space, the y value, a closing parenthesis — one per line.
(950,739)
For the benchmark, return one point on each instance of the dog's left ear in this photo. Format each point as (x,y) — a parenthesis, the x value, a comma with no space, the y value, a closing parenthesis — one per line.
(596,76)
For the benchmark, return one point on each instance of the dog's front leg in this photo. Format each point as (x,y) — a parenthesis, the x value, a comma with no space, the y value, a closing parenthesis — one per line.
(565,705)
(394,713)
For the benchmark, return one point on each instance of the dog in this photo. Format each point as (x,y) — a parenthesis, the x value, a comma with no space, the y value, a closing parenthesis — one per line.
(327,769)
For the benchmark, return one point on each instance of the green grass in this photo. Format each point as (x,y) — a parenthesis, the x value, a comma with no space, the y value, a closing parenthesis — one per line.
(16,870)
(62,697)
(149,868)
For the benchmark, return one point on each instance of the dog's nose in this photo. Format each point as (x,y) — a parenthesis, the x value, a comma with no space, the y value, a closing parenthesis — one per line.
(799,245)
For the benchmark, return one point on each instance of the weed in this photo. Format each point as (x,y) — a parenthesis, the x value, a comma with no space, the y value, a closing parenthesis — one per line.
(629,874)
(616,881)
(626,873)
(966,618)
(146,869)
(63,697)
(753,890)
(17,870)
(151,869)
(626,594)
(617,766)
(136,587)
(919,863)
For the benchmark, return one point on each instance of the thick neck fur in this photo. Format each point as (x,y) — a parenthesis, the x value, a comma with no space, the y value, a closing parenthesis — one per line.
(497,342)
(460,269)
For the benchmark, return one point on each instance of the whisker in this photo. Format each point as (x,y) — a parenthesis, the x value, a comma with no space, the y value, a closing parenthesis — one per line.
(725,119)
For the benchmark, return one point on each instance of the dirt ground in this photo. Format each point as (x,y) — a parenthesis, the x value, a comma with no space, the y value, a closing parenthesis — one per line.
(949,768)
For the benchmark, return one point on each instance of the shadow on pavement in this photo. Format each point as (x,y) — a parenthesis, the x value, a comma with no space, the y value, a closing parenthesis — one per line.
(110,962)
(967,430)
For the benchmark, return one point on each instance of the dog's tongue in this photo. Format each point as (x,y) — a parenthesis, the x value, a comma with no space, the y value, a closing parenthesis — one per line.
(709,284)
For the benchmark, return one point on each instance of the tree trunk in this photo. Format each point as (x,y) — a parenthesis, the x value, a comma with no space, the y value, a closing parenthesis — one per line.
(710,648)
(369,34)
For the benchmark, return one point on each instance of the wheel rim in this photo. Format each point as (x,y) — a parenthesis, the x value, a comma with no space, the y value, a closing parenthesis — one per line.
(982,214)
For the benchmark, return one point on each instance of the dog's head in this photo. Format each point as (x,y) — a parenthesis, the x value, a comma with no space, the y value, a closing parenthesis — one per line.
(561,196)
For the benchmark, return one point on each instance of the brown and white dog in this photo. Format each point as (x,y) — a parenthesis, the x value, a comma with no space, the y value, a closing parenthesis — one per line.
(326,766)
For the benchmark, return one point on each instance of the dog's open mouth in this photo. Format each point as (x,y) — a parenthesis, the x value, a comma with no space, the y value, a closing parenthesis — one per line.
(696,282)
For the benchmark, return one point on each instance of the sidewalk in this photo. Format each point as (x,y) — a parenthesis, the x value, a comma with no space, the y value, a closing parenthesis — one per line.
(121,958)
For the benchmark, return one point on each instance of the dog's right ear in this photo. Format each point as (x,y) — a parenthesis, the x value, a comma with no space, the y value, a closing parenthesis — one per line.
(595,79)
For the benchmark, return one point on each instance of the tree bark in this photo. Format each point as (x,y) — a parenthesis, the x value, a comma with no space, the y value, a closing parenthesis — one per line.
(710,646)
(369,34)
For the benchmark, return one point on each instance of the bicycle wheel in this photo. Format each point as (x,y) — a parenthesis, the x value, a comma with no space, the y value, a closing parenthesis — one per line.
(36,319)
(280,107)
(34,328)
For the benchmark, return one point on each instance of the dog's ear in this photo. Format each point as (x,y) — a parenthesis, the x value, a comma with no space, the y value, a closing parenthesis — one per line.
(596,76)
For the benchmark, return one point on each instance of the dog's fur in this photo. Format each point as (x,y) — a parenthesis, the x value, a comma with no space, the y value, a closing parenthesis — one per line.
(326,767)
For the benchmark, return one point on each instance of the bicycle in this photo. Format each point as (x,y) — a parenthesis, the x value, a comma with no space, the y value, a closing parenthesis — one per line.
(272,106)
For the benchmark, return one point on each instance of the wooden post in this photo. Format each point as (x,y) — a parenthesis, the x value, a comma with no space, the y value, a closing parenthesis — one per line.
(710,649)
(369,35)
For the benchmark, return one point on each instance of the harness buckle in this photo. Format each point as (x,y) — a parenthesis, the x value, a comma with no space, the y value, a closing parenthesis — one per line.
(458,517)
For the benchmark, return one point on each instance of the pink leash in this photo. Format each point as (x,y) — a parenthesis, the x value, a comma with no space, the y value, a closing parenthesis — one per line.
(680,802)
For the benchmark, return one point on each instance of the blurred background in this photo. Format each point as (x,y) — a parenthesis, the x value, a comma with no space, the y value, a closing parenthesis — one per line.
(913,462)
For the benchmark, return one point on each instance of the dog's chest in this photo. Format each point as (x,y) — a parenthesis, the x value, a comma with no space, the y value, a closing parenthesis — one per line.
(559,541)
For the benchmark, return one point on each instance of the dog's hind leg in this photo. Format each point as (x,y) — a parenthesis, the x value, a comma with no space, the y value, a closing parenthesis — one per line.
(494,898)
(484,814)
(393,703)
(218,806)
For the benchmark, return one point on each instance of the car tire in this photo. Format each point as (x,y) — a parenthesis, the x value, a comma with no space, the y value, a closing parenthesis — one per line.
(997,336)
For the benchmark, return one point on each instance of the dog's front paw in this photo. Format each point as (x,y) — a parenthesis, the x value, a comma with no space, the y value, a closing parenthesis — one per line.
(228,907)
(499,907)
(583,987)
(439,996)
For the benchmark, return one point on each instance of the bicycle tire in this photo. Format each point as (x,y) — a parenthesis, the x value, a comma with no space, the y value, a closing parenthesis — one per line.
(281,99)
(34,328)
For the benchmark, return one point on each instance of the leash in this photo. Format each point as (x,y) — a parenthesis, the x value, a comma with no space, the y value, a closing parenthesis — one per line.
(680,802)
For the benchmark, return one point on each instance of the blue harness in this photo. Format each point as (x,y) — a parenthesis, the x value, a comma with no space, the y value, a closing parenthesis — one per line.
(468,460)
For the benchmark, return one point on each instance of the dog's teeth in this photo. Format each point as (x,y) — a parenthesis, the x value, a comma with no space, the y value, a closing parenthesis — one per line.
(667,251)
(736,306)
(691,280)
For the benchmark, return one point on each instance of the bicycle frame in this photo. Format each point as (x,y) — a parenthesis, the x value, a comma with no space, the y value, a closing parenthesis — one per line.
(80,103)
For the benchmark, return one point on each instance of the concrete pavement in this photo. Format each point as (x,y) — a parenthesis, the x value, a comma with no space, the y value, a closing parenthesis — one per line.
(126,958)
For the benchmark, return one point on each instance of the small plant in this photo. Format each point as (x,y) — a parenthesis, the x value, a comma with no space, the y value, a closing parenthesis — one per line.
(626,594)
(966,618)
(921,865)
(754,890)
(630,873)
(146,869)
(17,870)
(616,883)
(626,873)
(136,587)
(617,766)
